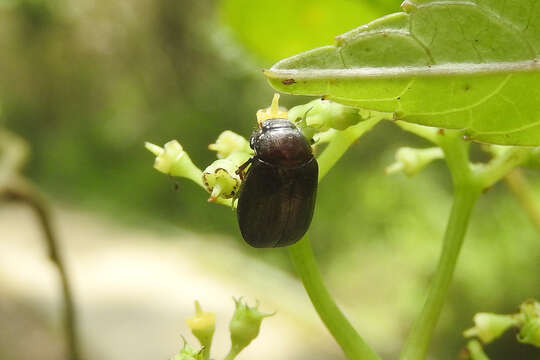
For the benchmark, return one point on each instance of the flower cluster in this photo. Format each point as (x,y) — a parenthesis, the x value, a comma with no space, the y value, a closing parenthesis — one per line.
(244,328)
(319,120)
(220,178)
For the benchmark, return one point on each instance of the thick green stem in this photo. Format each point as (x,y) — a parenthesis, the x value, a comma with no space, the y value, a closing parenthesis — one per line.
(420,336)
(304,261)
(341,329)
(466,191)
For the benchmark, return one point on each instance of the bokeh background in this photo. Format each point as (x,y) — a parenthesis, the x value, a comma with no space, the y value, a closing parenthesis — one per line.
(86,82)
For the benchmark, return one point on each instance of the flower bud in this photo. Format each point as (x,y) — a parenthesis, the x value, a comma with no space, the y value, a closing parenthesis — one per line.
(229,142)
(245,324)
(173,160)
(221,179)
(530,330)
(488,327)
(412,161)
(202,325)
(530,308)
(324,114)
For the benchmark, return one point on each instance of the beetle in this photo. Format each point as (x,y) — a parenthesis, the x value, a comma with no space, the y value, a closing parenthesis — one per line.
(276,200)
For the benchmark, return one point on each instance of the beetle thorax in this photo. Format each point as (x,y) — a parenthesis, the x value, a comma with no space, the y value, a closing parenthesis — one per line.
(281,143)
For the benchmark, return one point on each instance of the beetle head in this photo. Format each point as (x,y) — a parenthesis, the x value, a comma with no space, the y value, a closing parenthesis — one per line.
(281,143)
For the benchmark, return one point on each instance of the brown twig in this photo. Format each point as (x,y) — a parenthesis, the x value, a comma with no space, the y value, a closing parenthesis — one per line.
(522,190)
(14,152)
(22,191)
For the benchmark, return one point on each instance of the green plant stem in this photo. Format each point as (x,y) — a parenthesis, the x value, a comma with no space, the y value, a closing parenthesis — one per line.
(466,192)
(420,336)
(302,256)
(23,192)
(235,350)
(339,326)
(342,141)
(501,165)
(304,261)
(475,350)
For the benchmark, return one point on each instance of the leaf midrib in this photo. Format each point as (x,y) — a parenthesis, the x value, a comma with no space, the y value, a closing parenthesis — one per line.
(407,71)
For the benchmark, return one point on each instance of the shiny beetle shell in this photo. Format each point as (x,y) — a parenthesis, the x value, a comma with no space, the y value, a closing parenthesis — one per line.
(277,197)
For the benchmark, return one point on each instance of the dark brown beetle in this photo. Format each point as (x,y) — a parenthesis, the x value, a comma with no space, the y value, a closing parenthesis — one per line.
(277,197)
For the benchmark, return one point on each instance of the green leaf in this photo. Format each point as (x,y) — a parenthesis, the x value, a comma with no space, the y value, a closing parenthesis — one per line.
(471,65)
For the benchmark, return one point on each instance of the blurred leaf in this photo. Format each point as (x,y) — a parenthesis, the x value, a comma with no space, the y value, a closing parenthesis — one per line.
(470,65)
(275,29)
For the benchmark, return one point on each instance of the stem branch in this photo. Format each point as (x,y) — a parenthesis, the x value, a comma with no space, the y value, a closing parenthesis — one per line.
(422,330)
(235,350)
(304,261)
(26,194)
(341,142)
(522,190)
(466,191)
(339,326)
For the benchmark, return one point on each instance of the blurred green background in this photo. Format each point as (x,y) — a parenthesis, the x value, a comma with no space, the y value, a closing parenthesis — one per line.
(87,82)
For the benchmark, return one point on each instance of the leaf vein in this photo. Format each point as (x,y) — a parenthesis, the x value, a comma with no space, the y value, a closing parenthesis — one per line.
(490,14)
(504,132)
(471,106)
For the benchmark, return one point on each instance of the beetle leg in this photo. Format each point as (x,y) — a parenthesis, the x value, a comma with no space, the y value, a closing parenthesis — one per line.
(241,168)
